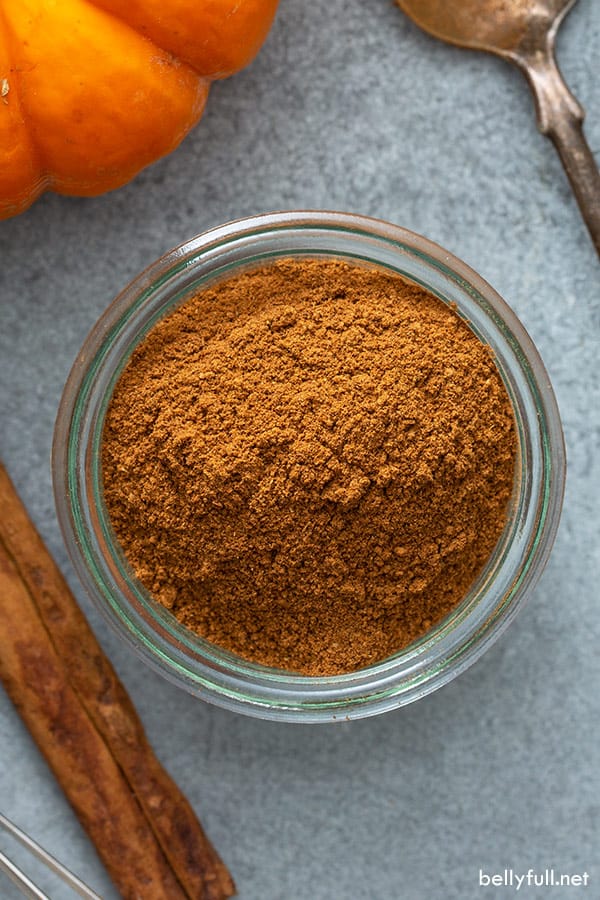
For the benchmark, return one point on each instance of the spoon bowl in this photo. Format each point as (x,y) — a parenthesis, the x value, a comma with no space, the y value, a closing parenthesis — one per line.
(496,26)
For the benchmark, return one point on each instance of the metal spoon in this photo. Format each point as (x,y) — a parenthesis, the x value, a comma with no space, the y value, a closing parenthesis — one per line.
(524,33)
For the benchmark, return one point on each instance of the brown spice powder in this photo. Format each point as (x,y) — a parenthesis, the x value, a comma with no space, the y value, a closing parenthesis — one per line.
(309,463)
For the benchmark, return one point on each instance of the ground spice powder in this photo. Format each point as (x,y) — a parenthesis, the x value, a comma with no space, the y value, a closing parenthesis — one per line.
(309,463)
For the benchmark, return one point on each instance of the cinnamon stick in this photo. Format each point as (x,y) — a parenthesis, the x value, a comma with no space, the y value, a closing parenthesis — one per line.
(83,721)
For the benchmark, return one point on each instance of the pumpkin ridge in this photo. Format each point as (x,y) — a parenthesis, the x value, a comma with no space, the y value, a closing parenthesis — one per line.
(215,42)
(111,13)
(123,21)
(38,180)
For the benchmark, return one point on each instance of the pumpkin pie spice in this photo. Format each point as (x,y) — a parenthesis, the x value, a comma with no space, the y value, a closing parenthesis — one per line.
(309,463)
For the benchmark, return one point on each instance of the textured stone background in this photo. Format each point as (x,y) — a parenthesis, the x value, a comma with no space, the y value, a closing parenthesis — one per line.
(350,107)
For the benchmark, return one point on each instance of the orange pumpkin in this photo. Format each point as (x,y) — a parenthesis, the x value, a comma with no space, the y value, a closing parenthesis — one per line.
(91,91)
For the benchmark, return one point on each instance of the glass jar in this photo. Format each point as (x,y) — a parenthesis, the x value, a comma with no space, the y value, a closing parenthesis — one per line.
(215,674)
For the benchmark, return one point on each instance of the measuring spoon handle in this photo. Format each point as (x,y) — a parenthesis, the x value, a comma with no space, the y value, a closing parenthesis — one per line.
(560,117)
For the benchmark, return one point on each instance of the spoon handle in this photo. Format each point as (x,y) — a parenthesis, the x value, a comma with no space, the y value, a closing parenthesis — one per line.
(560,117)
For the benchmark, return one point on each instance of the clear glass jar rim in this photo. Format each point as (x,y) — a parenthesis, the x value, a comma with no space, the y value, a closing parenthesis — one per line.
(244,687)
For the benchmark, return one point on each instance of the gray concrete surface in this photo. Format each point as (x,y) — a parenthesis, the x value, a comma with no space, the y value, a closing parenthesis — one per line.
(350,107)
